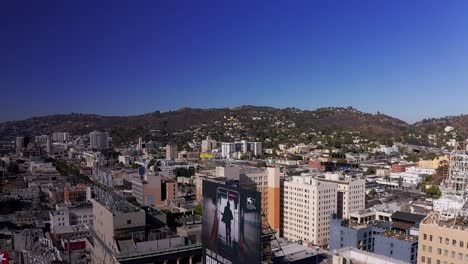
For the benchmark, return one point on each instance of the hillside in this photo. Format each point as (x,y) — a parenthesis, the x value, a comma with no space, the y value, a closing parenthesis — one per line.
(252,122)
(249,122)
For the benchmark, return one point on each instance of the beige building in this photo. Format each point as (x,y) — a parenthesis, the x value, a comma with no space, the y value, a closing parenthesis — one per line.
(351,192)
(442,242)
(171,151)
(208,145)
(435,163)
(308,206)
(147,191)
(105,223)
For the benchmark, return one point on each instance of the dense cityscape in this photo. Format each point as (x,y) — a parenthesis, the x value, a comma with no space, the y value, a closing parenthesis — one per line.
(80,198)
(233,132)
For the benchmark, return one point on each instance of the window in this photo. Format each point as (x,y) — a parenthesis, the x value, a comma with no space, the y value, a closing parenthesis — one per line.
(129,222)
(423,259)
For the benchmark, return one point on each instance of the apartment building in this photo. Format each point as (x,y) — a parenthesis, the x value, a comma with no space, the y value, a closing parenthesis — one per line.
(351,192)
(442,242)
(308,206)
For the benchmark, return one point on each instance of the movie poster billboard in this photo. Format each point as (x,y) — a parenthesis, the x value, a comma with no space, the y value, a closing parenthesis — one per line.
(231,226)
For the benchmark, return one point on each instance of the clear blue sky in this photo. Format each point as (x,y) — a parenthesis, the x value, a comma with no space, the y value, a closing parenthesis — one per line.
(408,59)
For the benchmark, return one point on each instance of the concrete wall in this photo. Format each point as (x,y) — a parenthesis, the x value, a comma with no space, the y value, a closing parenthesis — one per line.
(395,248)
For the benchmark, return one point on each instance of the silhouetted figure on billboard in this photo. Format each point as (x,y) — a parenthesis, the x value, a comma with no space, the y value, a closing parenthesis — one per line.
(227,218)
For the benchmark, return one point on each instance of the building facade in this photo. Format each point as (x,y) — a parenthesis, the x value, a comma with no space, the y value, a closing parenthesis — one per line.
(171,151)
(99,140)
(308,206)
(444,242)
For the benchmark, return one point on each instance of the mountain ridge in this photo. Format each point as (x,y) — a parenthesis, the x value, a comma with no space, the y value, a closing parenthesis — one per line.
(256,122)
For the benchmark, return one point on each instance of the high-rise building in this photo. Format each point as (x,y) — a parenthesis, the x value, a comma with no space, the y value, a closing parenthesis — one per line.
(99,140)
(60,136)
(208,144)
(171,151)
(19,144)
(274,198)
(256,148)
(227,149)
(41,140)
(22,142)
(308,206)
(351,193)
(442,241)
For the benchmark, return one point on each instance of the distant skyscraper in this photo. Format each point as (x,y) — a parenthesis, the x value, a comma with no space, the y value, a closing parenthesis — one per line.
(60,136)
(256,148)
(208,144)
(42,140)
(227,149)
(171,151)
(99,140)
(19,144)
(22,142)
(140,143)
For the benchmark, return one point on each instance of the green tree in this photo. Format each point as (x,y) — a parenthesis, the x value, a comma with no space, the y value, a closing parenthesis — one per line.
(135,166)
(412,158)
(370,171)
(433,191)
(431,156)
(198,209)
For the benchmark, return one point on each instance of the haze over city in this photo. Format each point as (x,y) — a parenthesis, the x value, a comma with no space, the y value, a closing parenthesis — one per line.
(405,59)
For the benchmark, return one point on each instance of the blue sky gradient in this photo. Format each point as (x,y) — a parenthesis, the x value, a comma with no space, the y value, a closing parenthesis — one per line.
(408,59)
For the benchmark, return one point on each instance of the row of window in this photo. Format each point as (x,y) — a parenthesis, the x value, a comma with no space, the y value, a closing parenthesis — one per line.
(448,241)
(428,260)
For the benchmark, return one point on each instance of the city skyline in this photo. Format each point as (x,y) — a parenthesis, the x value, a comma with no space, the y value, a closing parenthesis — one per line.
(402,59)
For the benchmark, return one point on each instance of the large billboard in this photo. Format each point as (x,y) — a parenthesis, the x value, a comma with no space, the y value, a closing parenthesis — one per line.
(231,226)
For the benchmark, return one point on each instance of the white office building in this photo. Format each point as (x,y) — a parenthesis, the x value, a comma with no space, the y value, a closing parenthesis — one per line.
(256,148)
(99,140)
(43,139)
(60,136)
(228,149)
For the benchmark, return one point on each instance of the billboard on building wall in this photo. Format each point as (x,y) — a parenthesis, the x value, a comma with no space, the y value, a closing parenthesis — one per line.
(231,226)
